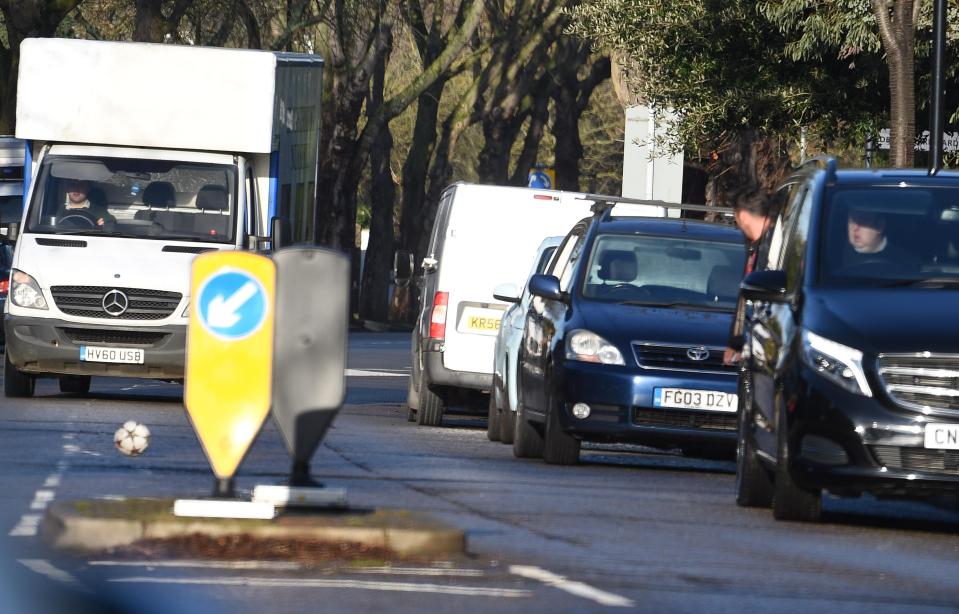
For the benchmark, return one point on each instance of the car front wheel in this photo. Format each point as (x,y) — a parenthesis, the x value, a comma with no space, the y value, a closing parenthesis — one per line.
(754,484)
(790,501)
(559,447)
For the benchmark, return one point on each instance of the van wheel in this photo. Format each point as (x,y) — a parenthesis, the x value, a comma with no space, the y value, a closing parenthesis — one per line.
(507,425)
(527,442)
(432,406)
(790,502)
(754,484)
(75,384)
(560,448)
(492,418)
(16,384)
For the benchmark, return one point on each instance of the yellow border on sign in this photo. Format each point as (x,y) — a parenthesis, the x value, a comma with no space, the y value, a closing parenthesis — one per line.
(228,385)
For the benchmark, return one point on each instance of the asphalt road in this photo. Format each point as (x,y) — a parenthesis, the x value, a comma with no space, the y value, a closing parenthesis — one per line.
(627,528)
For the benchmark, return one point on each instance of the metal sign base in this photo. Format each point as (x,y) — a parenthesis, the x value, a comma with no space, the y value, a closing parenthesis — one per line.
(300,497)
(223,508)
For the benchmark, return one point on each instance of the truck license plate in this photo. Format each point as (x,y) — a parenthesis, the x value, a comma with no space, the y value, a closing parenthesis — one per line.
(685,398)
(90,353)
(942,436)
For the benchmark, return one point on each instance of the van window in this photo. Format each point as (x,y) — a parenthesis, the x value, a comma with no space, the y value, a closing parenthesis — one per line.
(149,199)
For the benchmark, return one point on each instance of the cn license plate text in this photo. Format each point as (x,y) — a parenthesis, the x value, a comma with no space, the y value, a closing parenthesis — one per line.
(133,356)
(942,436)
(684,398)
(480,321)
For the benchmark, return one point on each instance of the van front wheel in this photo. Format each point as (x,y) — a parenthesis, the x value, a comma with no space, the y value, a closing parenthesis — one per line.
(16,384)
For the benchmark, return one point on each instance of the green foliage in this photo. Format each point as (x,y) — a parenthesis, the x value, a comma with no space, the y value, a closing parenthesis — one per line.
(724,66)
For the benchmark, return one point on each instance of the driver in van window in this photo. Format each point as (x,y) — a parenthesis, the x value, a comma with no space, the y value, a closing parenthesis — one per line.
(82,200)
(867,241)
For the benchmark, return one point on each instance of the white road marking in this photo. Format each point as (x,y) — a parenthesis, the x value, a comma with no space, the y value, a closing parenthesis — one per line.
(572,587)
(45,568)
(417,571)
(27,527)
(187,564)
(403,587)
(52,481)
(41,499)
(370,373)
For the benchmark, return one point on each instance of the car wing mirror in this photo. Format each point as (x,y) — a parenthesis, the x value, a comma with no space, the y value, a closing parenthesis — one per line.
(764,286)
(547,287)
(508,293)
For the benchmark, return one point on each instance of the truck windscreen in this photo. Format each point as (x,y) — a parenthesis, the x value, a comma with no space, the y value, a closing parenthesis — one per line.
(150,199)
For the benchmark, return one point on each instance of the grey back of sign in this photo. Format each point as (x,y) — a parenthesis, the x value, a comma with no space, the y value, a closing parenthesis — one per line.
(309,353)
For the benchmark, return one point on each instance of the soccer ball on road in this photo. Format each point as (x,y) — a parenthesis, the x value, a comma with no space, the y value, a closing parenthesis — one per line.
(132,439)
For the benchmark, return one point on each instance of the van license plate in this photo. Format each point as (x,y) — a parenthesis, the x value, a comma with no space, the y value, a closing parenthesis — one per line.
(133,356)
(942,436)
(685,398)
(479,321)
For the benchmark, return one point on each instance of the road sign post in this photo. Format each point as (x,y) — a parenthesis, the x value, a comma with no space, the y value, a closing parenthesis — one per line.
(309,383)
(229,365)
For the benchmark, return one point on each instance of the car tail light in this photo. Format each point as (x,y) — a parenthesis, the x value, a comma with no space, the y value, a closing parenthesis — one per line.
(4,286)
(438,316)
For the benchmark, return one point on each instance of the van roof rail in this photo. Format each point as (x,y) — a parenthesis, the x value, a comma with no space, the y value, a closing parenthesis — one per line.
(603,205)
(828,163)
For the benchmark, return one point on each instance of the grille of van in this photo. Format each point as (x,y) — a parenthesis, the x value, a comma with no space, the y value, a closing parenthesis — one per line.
(114,337)
(87,301)
(680,358)
(921,381)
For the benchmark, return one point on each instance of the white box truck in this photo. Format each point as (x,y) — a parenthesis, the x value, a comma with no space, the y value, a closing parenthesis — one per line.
(483,236)
(140,157)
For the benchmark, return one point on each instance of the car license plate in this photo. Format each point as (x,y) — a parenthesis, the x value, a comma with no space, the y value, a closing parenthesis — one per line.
(90,353)
(480,321)
(685,398)
(942,436)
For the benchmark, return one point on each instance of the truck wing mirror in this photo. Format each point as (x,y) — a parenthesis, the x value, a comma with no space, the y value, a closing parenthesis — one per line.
(280,232)
(402,267)
(764,286)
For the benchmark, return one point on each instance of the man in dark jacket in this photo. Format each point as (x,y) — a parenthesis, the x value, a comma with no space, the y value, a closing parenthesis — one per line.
(751,210)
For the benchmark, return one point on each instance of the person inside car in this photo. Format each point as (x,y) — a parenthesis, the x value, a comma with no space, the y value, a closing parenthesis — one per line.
(869,244)
(751,211)
(81,201)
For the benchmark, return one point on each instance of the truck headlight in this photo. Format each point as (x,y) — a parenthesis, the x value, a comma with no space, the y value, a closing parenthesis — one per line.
(587,346)
(25,292)
(836,362)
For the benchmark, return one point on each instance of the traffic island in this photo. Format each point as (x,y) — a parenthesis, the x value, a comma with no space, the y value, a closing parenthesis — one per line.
(149,526)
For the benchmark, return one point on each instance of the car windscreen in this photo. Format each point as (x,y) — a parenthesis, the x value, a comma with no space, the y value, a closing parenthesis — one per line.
(664,271)
(891,235)
(152,199)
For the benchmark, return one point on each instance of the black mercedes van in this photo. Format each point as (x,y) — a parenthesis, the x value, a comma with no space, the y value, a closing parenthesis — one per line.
(850,378)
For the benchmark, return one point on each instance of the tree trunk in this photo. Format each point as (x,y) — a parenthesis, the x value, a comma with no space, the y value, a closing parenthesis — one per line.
(149,24)
(568,150)
(897,33)
(374,294)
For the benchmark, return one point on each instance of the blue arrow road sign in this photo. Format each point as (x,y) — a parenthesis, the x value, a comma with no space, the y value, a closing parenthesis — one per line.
(539,179)
(232,304)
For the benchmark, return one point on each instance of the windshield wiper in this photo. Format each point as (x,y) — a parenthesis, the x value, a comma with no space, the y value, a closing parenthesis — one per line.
(677,306)
(924,282)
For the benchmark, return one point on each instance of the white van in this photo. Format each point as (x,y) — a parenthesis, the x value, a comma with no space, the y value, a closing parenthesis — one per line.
(138,158)
(483,236)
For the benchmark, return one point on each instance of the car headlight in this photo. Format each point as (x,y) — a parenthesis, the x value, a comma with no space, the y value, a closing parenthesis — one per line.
(835,362)
(589,347)
(25,292)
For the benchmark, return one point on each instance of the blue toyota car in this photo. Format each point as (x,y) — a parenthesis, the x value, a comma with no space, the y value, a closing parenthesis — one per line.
(624,341)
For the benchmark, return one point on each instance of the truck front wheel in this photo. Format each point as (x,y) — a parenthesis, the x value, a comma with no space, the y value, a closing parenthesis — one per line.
(16,384)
